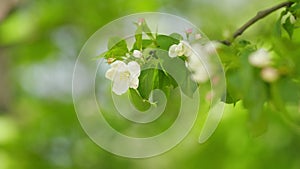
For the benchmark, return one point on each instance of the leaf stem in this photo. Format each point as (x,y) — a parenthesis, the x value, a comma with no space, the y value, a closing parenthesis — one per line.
(260,15)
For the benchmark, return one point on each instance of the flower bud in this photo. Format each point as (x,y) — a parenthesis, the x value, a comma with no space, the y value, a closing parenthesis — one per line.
(269,74)
(198,36)
(189,31)
(137,54)
(141,21)
(260,58)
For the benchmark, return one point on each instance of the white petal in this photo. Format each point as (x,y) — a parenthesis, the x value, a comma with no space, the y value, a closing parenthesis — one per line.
(110,73)
(137,54)
(260,58)
(180,49)
(211,47)
(134,83)
(187,51)
(120,85)
(172,52)
(194,61)
(200,76)
(134,69)
(116,64)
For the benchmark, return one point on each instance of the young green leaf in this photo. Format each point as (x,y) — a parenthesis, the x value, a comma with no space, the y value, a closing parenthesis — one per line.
(177,68)
(116,49)
(145,43)
(288,27)
(176,36)
(139,102)
(151,79)
(138,38)
(164,42)
(147,30)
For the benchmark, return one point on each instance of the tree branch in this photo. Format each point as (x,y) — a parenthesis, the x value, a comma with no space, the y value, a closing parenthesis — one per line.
(260,15)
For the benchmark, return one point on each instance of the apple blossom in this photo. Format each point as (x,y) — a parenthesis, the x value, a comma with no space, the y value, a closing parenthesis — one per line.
(260,58)
(198,70)
(183,48)
(189,31)
(198,63)
(123,76)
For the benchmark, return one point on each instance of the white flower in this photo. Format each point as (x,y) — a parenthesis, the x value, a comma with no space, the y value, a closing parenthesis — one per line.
(198,36)
(137,54)
(198,69)
(260,58)
(269,74)
(183,48)
(123,76)
(211,47)
(199,62)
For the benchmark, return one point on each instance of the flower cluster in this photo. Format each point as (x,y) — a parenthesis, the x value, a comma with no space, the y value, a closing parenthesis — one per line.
(125,64)
(262,59)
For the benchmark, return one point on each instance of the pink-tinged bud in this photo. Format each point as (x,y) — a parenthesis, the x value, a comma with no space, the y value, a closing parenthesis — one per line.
(189,31)
(141,21)
(269,74)
(110,60)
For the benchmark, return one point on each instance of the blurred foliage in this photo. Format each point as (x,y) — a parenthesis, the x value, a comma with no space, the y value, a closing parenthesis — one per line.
(39,43)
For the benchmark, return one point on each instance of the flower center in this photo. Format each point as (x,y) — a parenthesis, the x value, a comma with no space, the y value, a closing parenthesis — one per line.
(125,75)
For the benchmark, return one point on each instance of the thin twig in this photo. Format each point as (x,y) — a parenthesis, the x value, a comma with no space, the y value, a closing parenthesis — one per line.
(260,15)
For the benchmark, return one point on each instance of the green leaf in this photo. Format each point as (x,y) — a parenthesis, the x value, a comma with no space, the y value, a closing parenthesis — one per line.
(145,43)
(117,49)
(113,42)
(164,42)
(188,86)
(138,38)
(233,80)
(176,67)
(295,8)
(151,79)
(139,102)
(288,27)
(289,90)
(295,1)
(147,30)
(278,27)
(148,81)
(254,101)
(176,36)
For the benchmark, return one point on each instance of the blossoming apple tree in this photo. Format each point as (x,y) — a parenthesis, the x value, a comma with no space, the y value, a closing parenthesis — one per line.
(261,76)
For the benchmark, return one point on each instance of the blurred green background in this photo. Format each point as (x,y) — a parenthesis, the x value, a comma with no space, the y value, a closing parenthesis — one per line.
(39,43)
